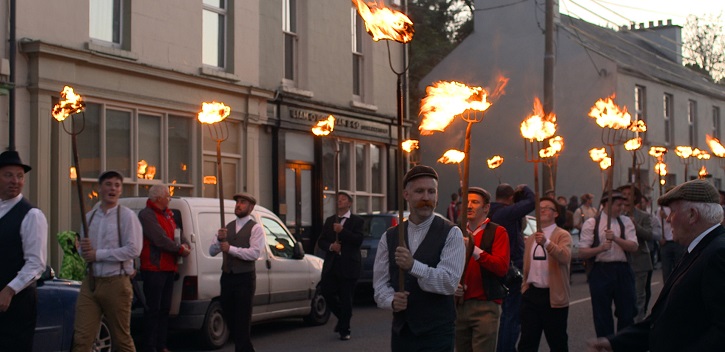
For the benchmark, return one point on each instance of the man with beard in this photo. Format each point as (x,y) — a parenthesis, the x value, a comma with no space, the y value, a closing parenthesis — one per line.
(240,243)
(481,293)
(431,261)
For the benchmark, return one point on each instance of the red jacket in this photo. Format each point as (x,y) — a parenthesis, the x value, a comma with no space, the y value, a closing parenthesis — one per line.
(160,251)
(496,262)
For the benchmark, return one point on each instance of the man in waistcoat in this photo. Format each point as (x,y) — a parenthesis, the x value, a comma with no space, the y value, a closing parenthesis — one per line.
(240,243)
(431,262)
(24,237)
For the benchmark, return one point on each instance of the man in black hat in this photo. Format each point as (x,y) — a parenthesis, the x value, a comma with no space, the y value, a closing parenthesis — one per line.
(689,314)
(241,243)
(607,238)
(24,237)
(431,260)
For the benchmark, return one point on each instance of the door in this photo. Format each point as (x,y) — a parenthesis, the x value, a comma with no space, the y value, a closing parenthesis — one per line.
(298,178)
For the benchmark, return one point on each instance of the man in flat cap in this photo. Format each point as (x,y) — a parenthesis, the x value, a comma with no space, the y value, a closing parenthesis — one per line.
(479,297)
(431,260)
(689,314)
(24,238)
(608,237)
(240,243)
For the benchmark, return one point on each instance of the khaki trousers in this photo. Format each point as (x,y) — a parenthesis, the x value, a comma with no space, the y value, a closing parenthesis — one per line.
(111,299)
(477,326)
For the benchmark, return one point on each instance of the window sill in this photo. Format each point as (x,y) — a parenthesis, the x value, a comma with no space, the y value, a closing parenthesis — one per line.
(297,91)
(360,105)
(108,50)
(218,73)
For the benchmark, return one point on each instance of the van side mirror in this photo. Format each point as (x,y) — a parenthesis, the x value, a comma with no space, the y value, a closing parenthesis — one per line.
(298,252)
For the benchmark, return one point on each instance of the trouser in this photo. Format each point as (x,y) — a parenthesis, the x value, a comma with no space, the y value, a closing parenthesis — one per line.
(537,315)
(640,285)
(670,253)
(338,292)
(508,331)
(237,293)
(17,323)
(157,288)
(439,339)
(111,299)
(477,326)
(612,282)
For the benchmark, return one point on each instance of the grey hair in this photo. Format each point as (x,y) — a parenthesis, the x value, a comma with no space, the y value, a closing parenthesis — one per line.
(709,212)
(157,191)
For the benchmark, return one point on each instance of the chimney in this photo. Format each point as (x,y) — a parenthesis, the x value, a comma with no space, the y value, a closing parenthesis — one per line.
(659,23)
(651,24)
(667,39)
(669,22)
(641,25)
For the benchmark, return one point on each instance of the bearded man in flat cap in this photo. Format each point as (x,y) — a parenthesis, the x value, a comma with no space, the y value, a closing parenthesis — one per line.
(689,314)
(241,242)
(431,260)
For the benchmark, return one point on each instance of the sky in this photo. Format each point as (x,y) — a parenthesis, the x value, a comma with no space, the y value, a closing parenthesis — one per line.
(616,13)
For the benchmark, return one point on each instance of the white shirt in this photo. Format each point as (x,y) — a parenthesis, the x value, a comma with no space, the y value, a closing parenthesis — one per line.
(443,279)
(699,238)
(256,242)
(539,269)
(616,253)
(34,238)
(667,230)
(103,232)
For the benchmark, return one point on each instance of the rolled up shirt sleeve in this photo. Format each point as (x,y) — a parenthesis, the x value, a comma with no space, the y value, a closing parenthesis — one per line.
(34,237)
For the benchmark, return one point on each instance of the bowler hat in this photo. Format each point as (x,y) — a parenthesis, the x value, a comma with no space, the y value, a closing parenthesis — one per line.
(419,171)
(699,191)
(245,196)
(11,157)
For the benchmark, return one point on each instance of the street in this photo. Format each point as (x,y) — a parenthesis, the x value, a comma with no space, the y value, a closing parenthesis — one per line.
(371,327)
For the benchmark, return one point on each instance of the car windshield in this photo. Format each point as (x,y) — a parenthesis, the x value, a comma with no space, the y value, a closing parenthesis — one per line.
(376,224)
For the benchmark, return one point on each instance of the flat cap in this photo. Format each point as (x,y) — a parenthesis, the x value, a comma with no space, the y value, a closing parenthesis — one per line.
(419,171)
(699,191)
(481,192)
(615,195)
(109,174)
(245,196)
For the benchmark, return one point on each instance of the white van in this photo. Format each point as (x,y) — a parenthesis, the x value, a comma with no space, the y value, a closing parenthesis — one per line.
(287,279)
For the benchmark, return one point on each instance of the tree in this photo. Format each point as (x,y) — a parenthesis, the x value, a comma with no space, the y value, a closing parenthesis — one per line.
(704,45)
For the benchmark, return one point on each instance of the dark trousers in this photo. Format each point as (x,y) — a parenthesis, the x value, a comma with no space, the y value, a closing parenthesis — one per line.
(510,325)
(437,340)
(17,324)
(612,282)
(237,292)
(537,315)
(338,292)
(157,288)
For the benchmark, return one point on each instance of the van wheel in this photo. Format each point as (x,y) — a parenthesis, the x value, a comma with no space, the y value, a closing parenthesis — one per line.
(214,332)
(103,342)
(319,311)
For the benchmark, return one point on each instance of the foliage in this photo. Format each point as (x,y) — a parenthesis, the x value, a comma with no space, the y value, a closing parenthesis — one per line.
(704,45)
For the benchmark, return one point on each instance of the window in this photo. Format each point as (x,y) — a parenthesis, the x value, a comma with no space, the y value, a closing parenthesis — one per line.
(105,21)
(361,162)
(692,122)
(640,103)
(716,122)
(358,32)
(668,123)
(279,240)
(289,28)
(214,23)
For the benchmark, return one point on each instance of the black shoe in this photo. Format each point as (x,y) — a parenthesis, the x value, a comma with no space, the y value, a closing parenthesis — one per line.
(344,337)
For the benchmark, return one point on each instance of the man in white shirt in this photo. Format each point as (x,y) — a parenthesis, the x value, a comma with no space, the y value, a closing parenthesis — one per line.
(24,237)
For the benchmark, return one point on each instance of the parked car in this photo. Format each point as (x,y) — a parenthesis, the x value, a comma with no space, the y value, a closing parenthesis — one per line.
(287,279)
(56,314)
(577,265)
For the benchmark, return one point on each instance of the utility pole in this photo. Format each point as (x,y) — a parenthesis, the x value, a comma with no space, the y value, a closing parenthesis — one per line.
(549,61)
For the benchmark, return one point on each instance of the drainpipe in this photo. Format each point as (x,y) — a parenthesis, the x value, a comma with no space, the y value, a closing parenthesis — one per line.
(11,95)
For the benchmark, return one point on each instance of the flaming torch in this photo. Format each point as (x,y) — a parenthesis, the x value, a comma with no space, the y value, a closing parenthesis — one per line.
(684,152)
(599,156)
(550,156)
(717,149)
(494,163)
(659,153)
(324,128)
(410,146)
(454,156)
(213,115)
(702,158)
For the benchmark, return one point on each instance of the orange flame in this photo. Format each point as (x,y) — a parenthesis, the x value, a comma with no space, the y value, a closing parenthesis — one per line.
(92,195)
(213,112)
(70,103)
(409,145)
(700,154)
(556,144)
(494,162)
(683,151)
(638,126)
(608,114)
(633,144)
(444,100)
(383,23)
(599,155)
(661,169)
(324,127)
(172,188)
(452,156)
(144,171)
(209,180)
(715,146)
(703,172)
(657,152)
(73,174)
(537,126)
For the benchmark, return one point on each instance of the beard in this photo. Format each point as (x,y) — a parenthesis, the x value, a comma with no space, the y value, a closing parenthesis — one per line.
(241,213)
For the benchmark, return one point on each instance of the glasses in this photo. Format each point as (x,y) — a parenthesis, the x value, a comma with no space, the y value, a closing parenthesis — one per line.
(548,208)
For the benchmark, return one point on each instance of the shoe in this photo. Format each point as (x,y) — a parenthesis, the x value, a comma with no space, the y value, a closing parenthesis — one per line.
(344,337)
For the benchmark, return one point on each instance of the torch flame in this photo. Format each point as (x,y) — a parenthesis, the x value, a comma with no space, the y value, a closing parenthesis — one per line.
(409,145)
(494,162)
(715,146)
(608,114)
(213,112)
(444,100)
(537,126)
(452,156)
(599,155)
(657,152)
(384,23)
(633,144)
(73,174)
(683,151)
(70,103)
(324,127)
(638,126)
(700,154)
(661,168)
(556,144)
(703,172)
